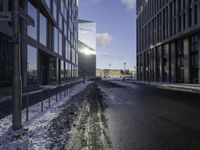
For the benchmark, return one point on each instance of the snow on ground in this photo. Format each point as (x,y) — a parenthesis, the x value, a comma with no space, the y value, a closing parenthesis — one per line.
(34,134)
(194,88)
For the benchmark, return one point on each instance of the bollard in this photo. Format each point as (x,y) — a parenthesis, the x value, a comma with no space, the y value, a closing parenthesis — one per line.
(27,117)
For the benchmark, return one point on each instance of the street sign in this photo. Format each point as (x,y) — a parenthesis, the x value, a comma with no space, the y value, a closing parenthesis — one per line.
(5,16)
(26,17)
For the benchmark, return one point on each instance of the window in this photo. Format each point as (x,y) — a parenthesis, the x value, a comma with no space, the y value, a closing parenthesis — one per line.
(52,70)
(32,63)
(54,10)
(194,59)
(73,56)
(55,40)
(62,71)
(48,2)
(67,70)
(60,21)
(76,58)
(158,63)
(6,60)
(43,30)
(180,61)
(32,31)
(60,43)
(69,52)
(66,50)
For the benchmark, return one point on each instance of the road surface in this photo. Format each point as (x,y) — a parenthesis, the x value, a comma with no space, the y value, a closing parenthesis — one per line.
(144,118)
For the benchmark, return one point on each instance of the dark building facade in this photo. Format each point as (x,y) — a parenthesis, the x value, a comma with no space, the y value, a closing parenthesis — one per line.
(168,41)
(87,49)
(49,49)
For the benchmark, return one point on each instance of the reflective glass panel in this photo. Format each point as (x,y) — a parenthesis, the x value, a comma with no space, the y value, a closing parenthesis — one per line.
(43,30)
(55,40)
(32,63)
(32,31)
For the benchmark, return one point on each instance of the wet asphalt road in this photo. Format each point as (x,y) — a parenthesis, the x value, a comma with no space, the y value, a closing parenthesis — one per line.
(144,118)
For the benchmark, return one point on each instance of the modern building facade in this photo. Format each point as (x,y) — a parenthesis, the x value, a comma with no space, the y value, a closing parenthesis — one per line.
(87,49)
(49,49)
(168,41)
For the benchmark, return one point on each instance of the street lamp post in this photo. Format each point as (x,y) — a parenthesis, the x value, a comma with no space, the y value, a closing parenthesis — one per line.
(110,70)
(17,81)
(124,69)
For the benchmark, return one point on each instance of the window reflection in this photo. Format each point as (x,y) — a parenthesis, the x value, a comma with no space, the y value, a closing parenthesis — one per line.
(48,2)
(67,71)
(32,63)
(52,70)
(55,40)
(62,71)
(54,10)
(43,30)
(32,31)
(60,43)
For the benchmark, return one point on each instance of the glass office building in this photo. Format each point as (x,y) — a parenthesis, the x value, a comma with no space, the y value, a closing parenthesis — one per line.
(168,41)
(49,49)
(87,48)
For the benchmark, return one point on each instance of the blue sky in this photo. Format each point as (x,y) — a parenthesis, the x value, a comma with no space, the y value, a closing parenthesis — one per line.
(116,31)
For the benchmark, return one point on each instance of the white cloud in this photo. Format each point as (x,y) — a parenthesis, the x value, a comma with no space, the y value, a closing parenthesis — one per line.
(130,4)
(103,39)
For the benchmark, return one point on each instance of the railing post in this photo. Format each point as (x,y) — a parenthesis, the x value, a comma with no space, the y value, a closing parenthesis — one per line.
(60,92)
(27,107)
(49,98)
(42,101)
(64,90)
(56,95)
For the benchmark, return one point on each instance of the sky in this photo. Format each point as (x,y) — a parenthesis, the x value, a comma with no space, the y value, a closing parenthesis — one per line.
(116,31)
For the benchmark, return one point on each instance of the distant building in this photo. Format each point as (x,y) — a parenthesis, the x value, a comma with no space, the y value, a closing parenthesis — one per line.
(168,41)
(115,73)
(87,49)
(49,50)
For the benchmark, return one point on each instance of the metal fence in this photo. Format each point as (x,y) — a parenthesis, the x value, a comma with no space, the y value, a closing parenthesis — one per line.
(51,95)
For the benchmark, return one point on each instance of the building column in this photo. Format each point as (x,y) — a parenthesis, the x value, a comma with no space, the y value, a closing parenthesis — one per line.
(173,62)
(186,60)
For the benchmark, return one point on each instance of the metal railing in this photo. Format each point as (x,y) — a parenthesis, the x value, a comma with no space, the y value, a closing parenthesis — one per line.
(47,95)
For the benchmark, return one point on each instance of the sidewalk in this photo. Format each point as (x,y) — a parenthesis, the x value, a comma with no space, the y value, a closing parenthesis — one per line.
(193,88)
(45,129)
